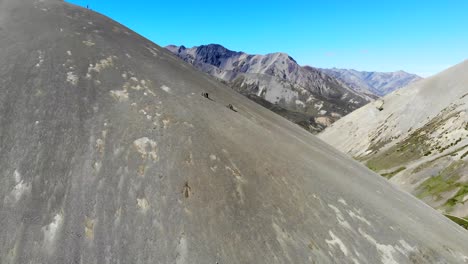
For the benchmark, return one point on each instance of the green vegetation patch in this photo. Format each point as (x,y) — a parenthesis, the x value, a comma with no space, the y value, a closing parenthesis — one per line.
(415,146)
(429,163)
(423,166)
(393,173)
(446,181)
(435,186)
(458,198)
(464,155)
(412,148)
(461,221)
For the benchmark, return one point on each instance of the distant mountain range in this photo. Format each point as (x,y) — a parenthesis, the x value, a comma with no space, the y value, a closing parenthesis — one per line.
(377,83)
(311,97)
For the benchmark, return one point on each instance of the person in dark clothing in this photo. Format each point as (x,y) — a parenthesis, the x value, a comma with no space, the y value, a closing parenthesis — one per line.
(230,106)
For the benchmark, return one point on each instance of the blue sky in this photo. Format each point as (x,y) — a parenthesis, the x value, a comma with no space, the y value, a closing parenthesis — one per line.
(417,36)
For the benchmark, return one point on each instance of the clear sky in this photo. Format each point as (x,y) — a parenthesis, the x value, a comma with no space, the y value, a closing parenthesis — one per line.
(418,36)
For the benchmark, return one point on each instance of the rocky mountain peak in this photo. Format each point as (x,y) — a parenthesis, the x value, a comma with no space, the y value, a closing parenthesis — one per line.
(278,79)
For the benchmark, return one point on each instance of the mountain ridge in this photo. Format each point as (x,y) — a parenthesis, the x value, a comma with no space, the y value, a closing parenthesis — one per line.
(417,137)
(377,83)
(278,79)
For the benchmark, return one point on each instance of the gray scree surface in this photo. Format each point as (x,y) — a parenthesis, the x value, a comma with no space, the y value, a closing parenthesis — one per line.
(109,154)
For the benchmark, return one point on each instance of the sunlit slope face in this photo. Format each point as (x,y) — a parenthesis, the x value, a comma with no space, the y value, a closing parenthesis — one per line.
(109,153)
(419,140)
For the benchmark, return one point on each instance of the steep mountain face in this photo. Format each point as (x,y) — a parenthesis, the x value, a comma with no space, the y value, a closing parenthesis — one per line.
(377,83)
(109,154)
(419,139)
(279,80)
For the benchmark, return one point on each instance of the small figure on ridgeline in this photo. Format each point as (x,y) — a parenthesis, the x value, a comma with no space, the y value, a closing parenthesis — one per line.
(206,96)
